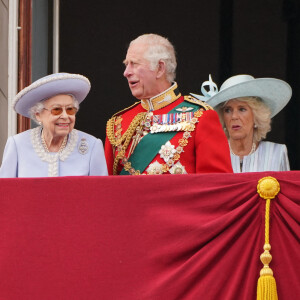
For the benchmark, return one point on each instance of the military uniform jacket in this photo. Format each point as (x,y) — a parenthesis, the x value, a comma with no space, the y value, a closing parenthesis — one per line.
(184,136)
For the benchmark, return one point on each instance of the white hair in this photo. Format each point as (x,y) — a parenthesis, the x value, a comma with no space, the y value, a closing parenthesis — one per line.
(39,106)
(159,49)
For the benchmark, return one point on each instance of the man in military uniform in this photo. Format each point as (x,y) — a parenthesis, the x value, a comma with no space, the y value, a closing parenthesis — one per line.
(165,132)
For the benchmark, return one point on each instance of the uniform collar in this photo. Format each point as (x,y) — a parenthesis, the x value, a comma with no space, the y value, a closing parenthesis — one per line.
(163,99)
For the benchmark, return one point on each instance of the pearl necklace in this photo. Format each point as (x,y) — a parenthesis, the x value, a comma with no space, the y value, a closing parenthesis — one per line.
(61,148)
(253,148)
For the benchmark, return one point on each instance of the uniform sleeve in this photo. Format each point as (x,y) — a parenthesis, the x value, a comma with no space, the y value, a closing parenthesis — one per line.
(98,165)
(9,165)
(212,150)
(284,165)
(109,156)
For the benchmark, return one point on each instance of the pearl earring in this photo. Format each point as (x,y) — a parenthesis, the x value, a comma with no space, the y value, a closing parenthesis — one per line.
(255,126)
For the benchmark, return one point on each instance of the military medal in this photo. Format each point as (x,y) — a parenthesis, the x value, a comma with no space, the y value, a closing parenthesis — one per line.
(167,151)
(155,168)
(178,168)
(182,121)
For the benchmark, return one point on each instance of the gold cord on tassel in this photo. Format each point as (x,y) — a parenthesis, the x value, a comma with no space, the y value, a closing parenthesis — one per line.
(267,188)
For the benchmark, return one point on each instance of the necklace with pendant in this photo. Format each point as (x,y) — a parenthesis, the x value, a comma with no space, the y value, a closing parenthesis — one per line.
(253,148)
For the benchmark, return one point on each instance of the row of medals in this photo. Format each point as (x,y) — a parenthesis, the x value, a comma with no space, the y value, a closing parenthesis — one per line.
(180,122)
(151,123)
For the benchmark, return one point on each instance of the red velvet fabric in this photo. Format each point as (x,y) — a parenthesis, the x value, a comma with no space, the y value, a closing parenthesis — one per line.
(146,237)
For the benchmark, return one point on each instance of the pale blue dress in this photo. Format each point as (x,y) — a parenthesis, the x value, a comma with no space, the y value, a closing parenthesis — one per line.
(267,157)
(25,156)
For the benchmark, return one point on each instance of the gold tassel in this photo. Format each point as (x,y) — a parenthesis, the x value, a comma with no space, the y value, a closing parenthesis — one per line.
(267,188)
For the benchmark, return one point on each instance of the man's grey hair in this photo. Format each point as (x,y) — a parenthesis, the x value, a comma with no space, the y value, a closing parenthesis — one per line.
(159,49)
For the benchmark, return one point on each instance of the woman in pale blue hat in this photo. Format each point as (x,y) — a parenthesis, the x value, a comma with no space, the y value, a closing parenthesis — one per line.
(245,106)
(54,148)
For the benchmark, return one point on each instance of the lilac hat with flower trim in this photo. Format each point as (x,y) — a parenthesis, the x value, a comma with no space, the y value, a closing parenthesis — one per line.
(50,86)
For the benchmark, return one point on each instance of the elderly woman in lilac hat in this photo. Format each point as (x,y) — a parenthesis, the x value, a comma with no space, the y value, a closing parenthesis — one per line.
(245,106)
(54,148)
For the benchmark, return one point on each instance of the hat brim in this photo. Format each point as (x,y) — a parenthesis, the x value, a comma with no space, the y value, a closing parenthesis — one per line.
(274,92)
(50,86)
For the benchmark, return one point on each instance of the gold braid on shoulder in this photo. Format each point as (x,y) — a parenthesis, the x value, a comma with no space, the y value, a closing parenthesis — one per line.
(125,138)
(126,109)
(194,100)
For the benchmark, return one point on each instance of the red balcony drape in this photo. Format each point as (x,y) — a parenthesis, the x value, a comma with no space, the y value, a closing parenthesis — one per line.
(146,237)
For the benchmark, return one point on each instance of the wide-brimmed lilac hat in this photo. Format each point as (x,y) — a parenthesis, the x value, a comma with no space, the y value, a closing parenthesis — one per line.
(275,93)
(50,86)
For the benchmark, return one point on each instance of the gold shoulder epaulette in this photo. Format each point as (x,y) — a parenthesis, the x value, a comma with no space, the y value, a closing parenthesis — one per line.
(194,100)
(125,109)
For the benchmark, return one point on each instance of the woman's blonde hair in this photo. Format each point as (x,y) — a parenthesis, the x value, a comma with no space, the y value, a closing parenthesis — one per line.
(261,114)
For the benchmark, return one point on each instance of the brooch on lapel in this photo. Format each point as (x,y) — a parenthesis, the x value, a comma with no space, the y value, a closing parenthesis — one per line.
(83,146)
